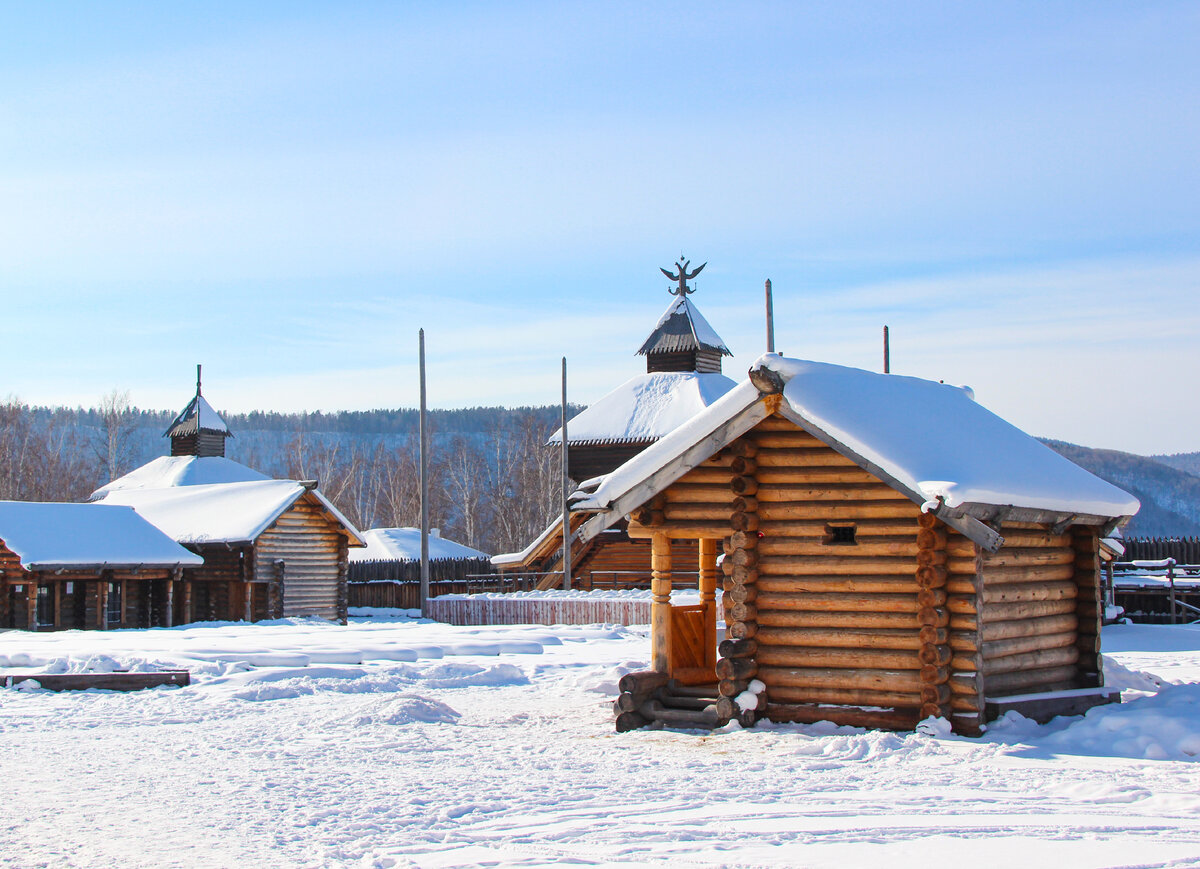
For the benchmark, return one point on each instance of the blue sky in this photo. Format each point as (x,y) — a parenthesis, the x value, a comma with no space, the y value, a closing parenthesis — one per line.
(286,192)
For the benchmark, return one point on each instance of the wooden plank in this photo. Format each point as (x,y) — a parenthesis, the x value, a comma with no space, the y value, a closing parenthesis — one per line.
(119,681)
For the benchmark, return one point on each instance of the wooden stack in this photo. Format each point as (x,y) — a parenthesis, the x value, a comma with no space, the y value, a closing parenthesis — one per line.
(934,650)
(650,698)
(1089,605)
(737,665)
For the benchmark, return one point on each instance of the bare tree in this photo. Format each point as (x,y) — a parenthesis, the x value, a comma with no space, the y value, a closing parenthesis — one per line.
(114,441)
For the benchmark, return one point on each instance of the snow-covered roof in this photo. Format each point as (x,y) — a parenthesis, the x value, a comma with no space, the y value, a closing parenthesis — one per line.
(645,407)
(168,471)
(404,544)
(51,535)
(222,512)
(933,440)
(682,327)
(196,417)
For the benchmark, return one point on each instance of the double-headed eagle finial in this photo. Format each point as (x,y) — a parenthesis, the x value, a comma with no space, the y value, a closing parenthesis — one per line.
(684,276)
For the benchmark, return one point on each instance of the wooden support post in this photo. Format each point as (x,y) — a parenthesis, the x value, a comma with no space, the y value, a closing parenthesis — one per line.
(187,602)
(58,596)
(247,602)
(31,596)
(708,596)
(102,602)
(660,602)
(124,603)
(169,620)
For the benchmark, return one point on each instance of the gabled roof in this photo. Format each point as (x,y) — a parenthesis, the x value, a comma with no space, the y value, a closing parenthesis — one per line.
(931,441)
(168,471)
(223,512)
(198,416)
(645,408)
(680,329)
(404,544)
(49,536)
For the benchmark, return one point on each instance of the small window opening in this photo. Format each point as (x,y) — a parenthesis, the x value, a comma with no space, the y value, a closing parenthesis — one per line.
(840,535)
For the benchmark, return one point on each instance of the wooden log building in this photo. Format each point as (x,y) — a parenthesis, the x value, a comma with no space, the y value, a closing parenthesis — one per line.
(84,566)
(891,551)
(683,377)
(271,548)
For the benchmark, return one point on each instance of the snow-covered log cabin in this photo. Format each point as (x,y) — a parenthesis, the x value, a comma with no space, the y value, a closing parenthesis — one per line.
(84,566)
(892,551)
(271,548)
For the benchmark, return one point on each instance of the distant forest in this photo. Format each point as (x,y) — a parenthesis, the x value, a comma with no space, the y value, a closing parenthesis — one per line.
(494,482)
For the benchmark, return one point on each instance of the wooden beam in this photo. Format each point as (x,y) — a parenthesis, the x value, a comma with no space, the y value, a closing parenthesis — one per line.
(660,602)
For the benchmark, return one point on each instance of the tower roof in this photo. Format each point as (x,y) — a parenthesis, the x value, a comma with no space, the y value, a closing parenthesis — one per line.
(683,328)
(197,417)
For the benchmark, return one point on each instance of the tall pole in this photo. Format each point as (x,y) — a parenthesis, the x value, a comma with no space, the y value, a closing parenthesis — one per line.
(566,488)
(770,320)
(424,435)
(887,352)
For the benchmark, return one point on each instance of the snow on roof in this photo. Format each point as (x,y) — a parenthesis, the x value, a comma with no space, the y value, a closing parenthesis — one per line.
(221,512)
(682,327)
(932,439)
(646,407)
(168,471)
(197,416)
(404,544)
(52,535)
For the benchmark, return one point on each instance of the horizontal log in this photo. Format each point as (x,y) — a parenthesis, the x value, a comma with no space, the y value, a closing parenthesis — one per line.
(903,530)
(627,721)
(867,620)
(1029,627)
(929,557)
(931,538)
(744,486)
(748,446)
(936,636)
(690,530)
(1088,644)
(963,604)
(802,456)
(865,547)
(844,696)
(964,684)
(833,564)
(845,716)
(838,584)
(743,521)
(731,648)
(1023,681)
(1033,643)
(707,475)
(931,597)
(1018,539)
(906,681)
(642,681)
(1031,574)
(842,638)
(736,668)
(732,687)
(743,466)
(696,494)
(742,630)
(1031,660)
(787,440)
(741,612)
(960,622)
(833,511)
(1013,556)
(744,504)
(831,493)
(686,718)
(879,603)
(743,557)
(681,511)
(1027,592)
(739,593)
(627,702)
(934,675)
(939,694)
(844,658)
(936,617)
(932,576)
(789,475)
(933,655)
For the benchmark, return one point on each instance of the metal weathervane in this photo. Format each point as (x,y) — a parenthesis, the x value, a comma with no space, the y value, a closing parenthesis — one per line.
(684,276)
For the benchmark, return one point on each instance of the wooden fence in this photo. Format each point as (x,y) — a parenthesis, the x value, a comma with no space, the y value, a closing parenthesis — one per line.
(441,570)
(1185,550)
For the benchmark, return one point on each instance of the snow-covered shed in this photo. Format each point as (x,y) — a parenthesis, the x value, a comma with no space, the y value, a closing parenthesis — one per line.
(683,377)
(892,550)
(84,566)
(271,548)
(404,544)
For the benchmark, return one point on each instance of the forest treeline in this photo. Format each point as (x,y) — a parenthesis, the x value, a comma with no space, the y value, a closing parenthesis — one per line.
(494,482)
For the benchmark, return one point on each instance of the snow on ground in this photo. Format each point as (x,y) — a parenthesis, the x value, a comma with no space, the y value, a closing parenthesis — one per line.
(393,742)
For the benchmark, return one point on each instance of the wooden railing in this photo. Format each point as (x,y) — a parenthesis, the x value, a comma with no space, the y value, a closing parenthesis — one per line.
(1156,602)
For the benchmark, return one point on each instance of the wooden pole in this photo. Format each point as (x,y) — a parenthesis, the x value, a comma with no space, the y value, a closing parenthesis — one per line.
(424,446)
(770,320)
(566,488)
(887,352)
(708,596)
(660,603)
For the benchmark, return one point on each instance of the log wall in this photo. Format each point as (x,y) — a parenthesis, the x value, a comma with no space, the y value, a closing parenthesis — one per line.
(840,624)
(1030,611)
(309,545)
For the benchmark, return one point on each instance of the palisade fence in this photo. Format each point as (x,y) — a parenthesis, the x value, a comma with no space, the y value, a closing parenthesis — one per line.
(1185,550)
(398,583)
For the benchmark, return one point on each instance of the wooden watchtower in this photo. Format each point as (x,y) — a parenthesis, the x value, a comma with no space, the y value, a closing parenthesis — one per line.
(199,429)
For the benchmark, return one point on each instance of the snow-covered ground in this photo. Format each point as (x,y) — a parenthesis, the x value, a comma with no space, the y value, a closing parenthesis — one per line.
(391,742)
